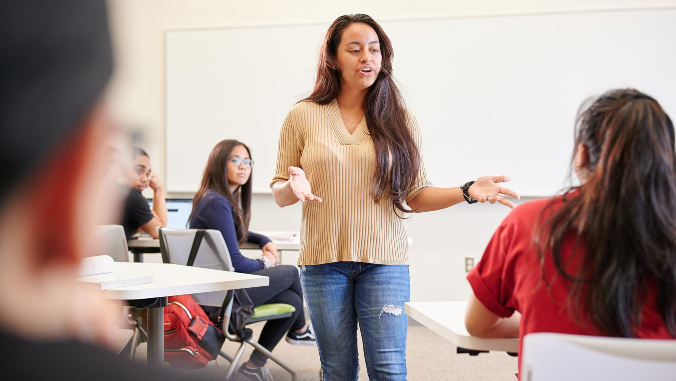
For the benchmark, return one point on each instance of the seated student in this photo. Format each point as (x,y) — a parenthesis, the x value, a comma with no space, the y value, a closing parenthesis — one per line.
(55,187)
(601,258)
(223,203)
(137,212)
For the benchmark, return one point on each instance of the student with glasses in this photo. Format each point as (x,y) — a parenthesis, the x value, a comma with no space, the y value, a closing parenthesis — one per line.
(223,203)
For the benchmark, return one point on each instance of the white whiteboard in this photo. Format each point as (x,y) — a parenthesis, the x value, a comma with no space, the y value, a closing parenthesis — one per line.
(493,95)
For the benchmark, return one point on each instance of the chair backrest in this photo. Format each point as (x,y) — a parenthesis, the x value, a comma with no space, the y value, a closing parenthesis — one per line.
(110,240)
(558,357)
(175,245)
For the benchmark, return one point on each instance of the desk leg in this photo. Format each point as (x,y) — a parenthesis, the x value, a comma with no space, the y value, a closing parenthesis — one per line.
(138,256)
(156,335)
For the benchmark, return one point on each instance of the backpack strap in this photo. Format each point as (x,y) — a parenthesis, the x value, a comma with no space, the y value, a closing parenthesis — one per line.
(195,246)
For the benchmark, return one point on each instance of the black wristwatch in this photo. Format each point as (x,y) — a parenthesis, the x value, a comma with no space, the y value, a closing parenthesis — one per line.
(465,192)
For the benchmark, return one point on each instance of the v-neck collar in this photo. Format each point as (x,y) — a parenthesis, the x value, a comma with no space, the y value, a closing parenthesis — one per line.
(338,126)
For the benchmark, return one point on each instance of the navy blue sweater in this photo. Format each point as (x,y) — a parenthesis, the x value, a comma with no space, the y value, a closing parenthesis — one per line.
(215,212)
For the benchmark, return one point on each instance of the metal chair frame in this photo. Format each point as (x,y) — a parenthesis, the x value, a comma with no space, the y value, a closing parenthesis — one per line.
(213,243)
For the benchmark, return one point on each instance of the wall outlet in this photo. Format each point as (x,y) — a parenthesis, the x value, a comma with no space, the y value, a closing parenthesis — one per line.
(469,264)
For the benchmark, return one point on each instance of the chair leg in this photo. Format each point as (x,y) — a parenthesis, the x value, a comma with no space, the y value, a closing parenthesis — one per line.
(134,344)
(272,357)
(127,350)
(138,322)
(139,335)
(225,356)
(235,360)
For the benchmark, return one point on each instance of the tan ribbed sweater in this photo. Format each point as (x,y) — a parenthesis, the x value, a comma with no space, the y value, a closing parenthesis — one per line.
(348,225)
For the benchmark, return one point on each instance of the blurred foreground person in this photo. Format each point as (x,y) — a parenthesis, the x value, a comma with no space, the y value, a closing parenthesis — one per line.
(56,159)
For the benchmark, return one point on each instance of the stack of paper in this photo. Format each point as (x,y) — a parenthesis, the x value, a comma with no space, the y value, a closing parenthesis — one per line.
(115,280)
(100,264)
(100,270)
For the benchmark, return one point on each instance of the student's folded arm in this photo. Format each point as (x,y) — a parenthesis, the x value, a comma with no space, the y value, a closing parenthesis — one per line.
(257,239)
(481,322)
(143,216)
(160,206)
(151,226)
(219,217)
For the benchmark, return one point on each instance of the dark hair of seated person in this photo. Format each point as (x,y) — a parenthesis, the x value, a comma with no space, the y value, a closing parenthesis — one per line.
(624,214)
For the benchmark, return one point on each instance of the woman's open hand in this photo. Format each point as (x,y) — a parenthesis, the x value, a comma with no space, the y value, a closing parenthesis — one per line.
(487,188)
(300,186)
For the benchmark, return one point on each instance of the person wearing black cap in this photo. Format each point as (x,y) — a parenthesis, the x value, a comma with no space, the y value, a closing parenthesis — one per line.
(55,160)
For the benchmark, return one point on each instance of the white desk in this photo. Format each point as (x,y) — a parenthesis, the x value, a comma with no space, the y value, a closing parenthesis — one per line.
(447,319)
(171,280)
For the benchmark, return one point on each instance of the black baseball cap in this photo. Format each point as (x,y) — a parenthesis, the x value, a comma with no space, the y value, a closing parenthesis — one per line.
(55,61)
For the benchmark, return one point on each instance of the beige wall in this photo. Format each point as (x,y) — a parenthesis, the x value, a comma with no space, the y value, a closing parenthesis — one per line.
(441,239)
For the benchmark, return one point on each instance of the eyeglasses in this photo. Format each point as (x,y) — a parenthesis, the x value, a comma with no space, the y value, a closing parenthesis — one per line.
(239,161)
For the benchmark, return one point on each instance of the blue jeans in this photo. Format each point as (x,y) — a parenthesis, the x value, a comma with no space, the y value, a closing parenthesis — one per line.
(340,295)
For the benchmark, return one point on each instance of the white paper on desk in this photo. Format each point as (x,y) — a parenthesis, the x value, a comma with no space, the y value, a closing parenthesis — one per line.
(115,280)
(100,264)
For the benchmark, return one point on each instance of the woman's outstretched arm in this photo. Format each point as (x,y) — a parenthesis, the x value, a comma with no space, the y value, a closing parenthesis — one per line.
(486,188)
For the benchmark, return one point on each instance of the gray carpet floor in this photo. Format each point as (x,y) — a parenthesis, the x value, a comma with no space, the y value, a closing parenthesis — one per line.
(428,356)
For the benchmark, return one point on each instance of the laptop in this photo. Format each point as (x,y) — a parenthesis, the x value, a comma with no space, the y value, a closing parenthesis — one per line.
(178,212)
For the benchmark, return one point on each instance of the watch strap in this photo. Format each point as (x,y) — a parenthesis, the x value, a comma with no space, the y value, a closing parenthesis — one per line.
(465,192)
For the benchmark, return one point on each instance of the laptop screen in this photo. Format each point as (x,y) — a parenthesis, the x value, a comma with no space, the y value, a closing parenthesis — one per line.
(178,212)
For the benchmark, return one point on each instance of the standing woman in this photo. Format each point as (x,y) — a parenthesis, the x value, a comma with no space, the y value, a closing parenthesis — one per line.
(223,203)
(352,150)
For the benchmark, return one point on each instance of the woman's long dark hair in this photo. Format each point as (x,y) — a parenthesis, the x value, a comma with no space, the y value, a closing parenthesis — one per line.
(624,215)
(216,178)
(397,156)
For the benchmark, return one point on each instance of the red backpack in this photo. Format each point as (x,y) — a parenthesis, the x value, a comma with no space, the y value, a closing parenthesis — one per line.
(190,339)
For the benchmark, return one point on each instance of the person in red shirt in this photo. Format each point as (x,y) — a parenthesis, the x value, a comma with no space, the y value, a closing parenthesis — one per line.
(601,258)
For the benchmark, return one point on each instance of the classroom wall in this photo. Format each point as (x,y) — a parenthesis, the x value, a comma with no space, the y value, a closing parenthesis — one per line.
(441,239)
